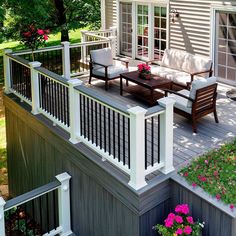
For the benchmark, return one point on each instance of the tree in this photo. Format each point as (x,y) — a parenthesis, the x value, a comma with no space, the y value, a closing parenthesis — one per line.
(56,15)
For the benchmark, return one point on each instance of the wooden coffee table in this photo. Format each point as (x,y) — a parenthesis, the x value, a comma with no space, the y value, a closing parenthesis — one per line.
(144,89)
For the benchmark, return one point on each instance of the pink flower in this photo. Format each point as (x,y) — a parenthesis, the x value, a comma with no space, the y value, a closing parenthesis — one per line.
(179,231)
(47,31)
(202,178)
(171,216)
(206,161)
(231,206)
(40,31)
(179,219)
(216,173)
(169,223)
(218,196)
(45,37)
(190,220)
(188,230)
(185,174)
(184,209)
(194,184)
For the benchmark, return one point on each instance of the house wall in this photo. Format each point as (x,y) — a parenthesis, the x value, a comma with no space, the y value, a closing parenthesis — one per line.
(191,31)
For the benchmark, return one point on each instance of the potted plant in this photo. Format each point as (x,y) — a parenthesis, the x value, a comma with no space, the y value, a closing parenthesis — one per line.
(144,71)
(34,38)
(180,223)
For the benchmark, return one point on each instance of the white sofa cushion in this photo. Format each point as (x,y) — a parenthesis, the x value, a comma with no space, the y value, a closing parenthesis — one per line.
(173,58)
(180,102)
(201,83)
(162,71)
(112,71)
(195,63)
(102,56)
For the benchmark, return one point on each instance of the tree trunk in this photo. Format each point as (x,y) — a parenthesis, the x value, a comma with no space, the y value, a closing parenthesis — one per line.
(61,17)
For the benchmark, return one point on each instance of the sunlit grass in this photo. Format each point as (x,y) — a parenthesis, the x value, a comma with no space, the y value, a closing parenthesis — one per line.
(3,153)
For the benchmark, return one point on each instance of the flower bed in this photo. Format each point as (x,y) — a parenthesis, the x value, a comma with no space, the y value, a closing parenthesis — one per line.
(215,172)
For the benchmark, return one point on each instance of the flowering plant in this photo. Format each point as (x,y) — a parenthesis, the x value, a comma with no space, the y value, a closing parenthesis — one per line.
(179,223)
(34,38)
(143,68)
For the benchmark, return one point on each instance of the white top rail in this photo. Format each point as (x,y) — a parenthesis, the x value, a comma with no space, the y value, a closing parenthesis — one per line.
(46,49)
(90,43)
(154,111)
(95,35)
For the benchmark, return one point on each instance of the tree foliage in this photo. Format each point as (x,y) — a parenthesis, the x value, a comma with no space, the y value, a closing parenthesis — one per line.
(56,15)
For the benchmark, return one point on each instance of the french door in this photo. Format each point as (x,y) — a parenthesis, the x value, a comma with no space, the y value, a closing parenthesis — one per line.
(142,31)
(126,28)
(225,41)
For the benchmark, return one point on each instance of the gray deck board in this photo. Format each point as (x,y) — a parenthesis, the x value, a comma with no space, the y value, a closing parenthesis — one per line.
(187,145)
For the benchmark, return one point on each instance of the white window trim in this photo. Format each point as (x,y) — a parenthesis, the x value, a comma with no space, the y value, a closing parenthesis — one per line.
(214,10)
(151,4)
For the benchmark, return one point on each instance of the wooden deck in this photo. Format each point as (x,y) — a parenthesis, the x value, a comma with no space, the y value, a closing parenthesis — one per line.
(187,145)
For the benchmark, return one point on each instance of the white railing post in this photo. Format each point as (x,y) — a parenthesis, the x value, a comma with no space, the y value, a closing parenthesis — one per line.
(74,101)
(137,147)
(7,70)
(64,203)
(66,59)
(34,86)
(2,221)
(166,134)
(112,41)
(83,48)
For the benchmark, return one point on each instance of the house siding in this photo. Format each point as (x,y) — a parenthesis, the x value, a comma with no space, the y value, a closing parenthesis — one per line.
(111,18)
(191,31)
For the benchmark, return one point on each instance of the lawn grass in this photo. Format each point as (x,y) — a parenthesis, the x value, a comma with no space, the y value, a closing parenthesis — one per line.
(3,153)
(54,39)
(215,172)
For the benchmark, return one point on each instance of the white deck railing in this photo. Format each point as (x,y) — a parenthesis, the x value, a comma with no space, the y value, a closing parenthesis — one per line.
(32,199)
(137,141)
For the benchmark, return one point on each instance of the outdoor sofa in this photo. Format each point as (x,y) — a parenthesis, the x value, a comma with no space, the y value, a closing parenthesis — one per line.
(182,67)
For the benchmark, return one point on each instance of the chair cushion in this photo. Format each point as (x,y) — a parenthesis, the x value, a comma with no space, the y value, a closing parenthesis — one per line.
(195,63)
(102,56)
(179,77)
(112,72)
(201,83)
(182,103)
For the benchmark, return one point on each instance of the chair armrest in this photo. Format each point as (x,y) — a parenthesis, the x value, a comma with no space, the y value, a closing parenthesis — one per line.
(122,60)
(179,94)
(201,72)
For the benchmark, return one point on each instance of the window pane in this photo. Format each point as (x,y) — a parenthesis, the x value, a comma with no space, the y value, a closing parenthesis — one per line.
(232,60)
(221,72)
(222,58)
(231,74)
(232,33)
(145,10)
(163,12)
(223,32)
(232,19)
(222,19)
(163,23)
(163,34)
(156,11)
(140,9)
(156,22)
(222,45)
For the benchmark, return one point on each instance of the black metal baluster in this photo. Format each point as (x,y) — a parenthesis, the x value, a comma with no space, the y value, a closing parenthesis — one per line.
(114,134)
(118,137)
(100,124)
(123,139)
(61,101)
(104,128)
(109,131)
(129,143)
(85,135)
(81,117)
(18,219)
(158,138)
(33,215)
(68,107)
(64,103)
(88,116)
(26,225)
(145,143)
(54,209)
(92,121)
(152,140)
(47,206)
(96,122)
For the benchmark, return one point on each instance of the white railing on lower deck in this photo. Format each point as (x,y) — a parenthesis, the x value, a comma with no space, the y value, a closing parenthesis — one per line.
(28,202)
